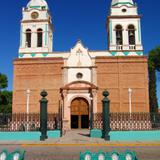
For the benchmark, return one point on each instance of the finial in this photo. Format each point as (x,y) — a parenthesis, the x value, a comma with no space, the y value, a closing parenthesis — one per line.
(78,41)
(44,93)
(105,93)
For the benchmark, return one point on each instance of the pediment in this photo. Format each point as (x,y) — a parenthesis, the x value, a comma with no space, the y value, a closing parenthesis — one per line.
(79,47)
(79,56)
(80,85)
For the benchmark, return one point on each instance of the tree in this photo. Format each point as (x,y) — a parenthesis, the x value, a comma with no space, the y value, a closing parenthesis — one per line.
(5,96)
(3,81)
(153,66)
(3,84)
(6,102)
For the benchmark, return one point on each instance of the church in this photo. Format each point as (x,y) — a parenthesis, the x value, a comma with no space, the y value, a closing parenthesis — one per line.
(75,80)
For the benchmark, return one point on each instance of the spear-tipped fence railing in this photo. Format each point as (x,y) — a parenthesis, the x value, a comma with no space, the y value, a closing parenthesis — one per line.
(23,121)
(127,121)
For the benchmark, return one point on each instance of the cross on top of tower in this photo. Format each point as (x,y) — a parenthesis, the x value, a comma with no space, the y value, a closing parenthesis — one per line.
(37,4)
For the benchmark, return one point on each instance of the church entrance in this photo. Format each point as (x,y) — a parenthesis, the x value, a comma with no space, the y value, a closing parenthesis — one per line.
(79,113)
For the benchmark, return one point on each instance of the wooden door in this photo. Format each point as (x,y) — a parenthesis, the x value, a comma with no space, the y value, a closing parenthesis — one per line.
(79,109)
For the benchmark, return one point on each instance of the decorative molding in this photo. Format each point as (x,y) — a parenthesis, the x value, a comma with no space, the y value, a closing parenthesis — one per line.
(123,3)
(33,21)
(33,54)
(44,54)
(21,55)
(123,17)
(139,53)
(126,53)
(113,53)
(79,85)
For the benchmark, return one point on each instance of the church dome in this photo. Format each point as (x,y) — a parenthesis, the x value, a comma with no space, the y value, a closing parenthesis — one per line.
(122,2)
(37,4)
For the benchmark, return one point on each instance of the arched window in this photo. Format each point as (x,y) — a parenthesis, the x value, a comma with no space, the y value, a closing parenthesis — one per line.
(28,38)
(131,34)
(119,35)
(39,37)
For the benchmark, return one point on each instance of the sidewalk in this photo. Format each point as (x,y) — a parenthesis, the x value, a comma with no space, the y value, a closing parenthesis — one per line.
(79,138)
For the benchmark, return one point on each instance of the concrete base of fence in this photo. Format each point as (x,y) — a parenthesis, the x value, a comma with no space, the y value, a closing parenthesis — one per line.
(128,135)
(54,134)
(96,133)
(27,136)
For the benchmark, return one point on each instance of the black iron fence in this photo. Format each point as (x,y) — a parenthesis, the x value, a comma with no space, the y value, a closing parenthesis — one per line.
(127,121)
(118,121)
(27,122)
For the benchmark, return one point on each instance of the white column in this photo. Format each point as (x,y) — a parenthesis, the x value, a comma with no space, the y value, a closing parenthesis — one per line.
(27,109)
(34,38)
(130,100)
(125,38)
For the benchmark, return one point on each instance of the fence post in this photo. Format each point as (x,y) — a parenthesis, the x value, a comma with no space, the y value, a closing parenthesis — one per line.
(106,118)
(43,116)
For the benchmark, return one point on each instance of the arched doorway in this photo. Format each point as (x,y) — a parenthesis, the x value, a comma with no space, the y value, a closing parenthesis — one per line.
(79,113)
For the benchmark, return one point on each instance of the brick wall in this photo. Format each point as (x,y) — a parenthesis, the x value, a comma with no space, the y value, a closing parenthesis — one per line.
(37,74)
(117,74)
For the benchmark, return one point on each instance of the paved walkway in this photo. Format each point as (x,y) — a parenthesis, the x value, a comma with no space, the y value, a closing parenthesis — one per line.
(79,138)
(69,147)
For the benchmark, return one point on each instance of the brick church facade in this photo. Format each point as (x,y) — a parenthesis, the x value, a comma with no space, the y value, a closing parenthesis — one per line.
(76,79)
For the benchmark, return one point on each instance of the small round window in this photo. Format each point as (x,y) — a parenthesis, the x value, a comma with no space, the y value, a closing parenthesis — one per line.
(124,10)
(79,75)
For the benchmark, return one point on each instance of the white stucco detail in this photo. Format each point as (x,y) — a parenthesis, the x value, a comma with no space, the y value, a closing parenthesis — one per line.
(129,11)
(72,96)
(79,56)
(42,21)
(124,13)
(37,3)
(117,7)
(79,61)
(72,74)
(125,23)
(93,54)
(68,100)
(121,1)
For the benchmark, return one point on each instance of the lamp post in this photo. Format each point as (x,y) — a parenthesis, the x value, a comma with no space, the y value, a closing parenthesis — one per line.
(91,118)
(130,100)
(106,115)
(28,98)
(43,115)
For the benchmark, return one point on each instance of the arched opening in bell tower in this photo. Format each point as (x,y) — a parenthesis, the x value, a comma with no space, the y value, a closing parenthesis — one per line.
(39,37)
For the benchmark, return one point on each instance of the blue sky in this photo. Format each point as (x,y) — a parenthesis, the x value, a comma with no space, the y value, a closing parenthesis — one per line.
(73,20)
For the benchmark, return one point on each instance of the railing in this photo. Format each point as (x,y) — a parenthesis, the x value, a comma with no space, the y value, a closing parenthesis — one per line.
(132,47)
(29,122)
(119,47)
(98,121)
(126,121)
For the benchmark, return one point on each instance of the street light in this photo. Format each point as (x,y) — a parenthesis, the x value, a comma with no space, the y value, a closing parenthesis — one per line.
(91,117)
(28,98)
(130,100)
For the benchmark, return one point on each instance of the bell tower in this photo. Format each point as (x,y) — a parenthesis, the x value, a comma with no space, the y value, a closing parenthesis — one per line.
(124,28)
(36,35)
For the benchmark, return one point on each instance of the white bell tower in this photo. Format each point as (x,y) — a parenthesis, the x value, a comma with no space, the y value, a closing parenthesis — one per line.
(36,29)
(124,28)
